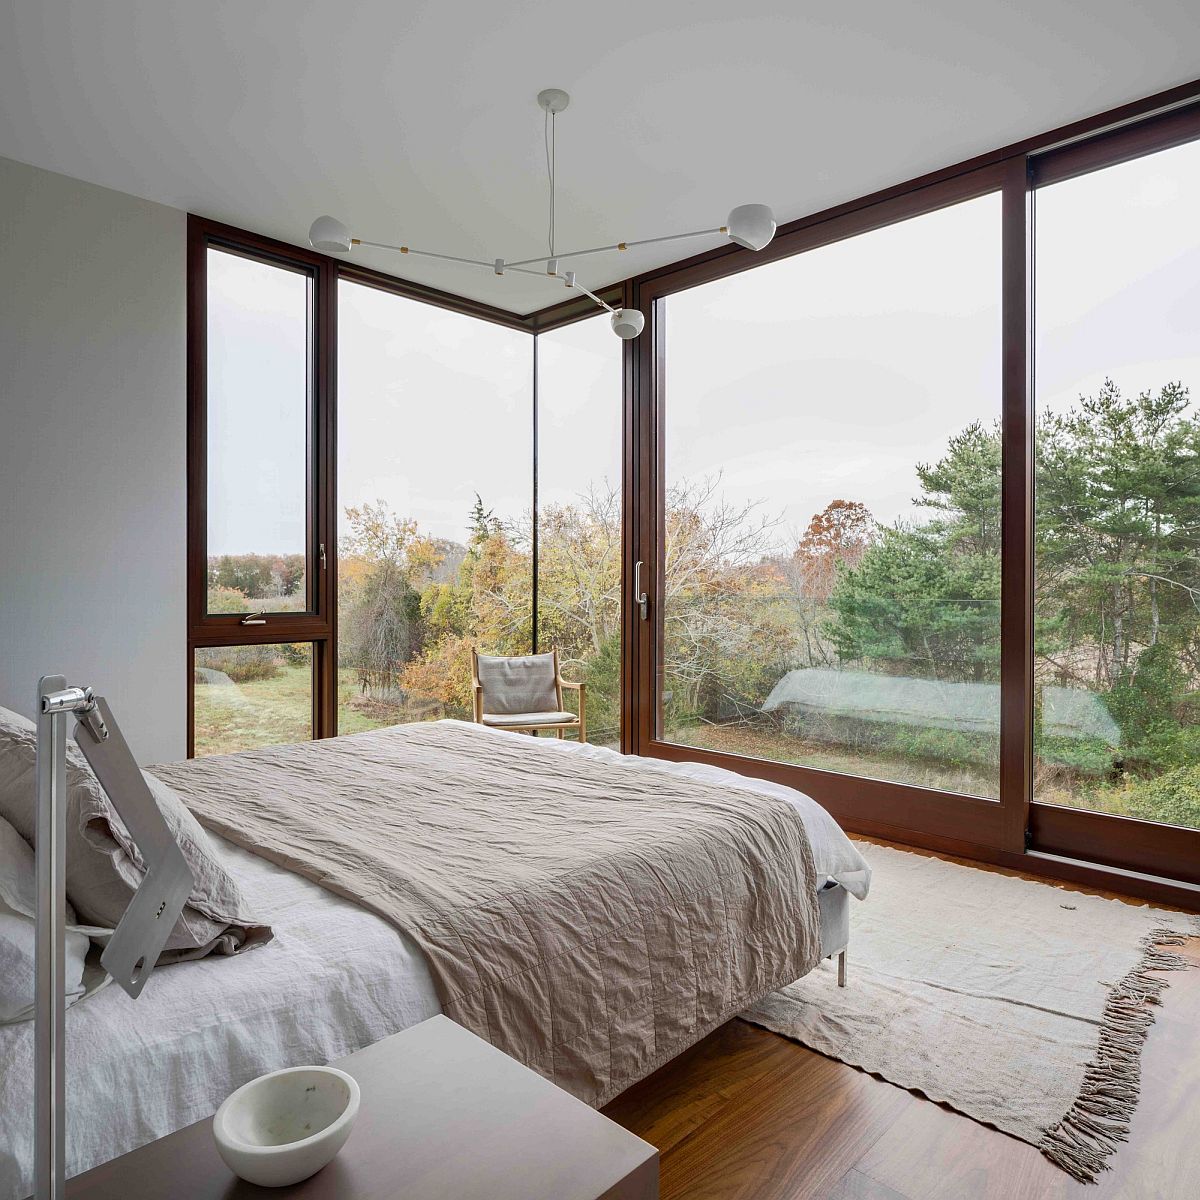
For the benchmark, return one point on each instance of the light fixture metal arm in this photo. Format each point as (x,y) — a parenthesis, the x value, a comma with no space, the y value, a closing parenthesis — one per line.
(472,262)
(563,255)
(574,283)
(751,226)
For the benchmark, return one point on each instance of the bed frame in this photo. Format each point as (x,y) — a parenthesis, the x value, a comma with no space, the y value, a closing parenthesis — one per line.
(833,910)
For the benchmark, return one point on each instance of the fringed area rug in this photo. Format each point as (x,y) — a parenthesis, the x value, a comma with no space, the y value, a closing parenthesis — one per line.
(1016,1003)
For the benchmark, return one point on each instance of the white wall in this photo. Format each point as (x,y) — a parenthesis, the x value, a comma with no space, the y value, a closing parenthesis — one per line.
(92,450)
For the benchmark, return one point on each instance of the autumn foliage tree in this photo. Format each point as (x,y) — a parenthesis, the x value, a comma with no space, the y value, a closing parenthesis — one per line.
(836,539)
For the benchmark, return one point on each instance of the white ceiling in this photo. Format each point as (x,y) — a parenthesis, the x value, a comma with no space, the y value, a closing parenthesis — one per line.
(416,121)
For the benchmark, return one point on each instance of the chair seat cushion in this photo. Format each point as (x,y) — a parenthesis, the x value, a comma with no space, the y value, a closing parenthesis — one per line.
(531,718)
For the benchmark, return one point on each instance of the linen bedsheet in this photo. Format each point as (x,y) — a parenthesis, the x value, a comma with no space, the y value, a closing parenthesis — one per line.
(591,918)
(335,979)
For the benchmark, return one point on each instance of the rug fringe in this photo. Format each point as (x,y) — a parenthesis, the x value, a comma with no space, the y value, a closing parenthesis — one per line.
(1096,1124)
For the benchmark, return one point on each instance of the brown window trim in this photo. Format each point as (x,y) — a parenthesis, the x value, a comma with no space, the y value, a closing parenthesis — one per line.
(317,626)
(1140,857)
(226,629)
(1134,854)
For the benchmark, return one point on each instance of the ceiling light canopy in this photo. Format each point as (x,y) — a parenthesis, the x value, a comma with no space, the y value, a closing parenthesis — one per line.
(748,225)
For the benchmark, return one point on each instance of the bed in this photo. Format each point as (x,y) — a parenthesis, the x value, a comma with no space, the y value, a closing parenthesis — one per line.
(335,978)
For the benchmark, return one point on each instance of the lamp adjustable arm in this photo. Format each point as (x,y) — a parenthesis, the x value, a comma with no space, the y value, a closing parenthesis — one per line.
(142,932)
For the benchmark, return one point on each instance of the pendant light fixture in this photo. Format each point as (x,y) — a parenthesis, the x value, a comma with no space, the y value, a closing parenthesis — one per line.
(748,225)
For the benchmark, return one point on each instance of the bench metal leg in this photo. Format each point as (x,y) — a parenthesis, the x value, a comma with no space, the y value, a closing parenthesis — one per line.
(842,969)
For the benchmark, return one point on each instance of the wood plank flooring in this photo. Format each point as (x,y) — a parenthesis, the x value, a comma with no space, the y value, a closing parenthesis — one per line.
(749,1115)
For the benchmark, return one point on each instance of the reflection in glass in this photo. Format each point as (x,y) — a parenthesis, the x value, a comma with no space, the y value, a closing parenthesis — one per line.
(832,554)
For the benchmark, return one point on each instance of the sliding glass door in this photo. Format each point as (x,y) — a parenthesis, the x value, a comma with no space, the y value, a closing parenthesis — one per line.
(1117,637)
(921,520)
(830,561)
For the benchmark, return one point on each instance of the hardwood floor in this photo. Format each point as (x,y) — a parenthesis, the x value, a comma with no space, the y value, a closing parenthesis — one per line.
(749,1115)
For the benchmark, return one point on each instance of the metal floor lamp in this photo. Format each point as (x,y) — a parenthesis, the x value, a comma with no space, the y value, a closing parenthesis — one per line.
(141,933)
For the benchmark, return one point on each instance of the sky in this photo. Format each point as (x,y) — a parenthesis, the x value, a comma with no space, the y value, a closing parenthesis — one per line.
(828,375)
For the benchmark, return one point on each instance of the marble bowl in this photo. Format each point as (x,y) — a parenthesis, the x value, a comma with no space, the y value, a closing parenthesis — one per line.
(283,1127)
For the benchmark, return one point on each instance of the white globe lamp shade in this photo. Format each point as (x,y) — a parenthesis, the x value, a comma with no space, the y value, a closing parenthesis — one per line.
(751,225)
(627,323)
(329,235)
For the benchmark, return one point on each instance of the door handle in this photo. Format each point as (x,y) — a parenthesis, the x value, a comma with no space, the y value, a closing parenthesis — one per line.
(639,592)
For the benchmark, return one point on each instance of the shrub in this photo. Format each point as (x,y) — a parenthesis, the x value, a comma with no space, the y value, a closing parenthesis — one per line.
(1173,798)
(226,599)
(1083,756)
(243,664)
(295,654)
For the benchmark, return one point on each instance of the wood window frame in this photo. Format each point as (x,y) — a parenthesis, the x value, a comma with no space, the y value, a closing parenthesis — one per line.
(871,805)
(318,625)
(1140,857)
(226,629)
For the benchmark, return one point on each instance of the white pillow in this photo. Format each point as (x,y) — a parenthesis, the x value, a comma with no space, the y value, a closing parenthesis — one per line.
(18,906)
(104,867)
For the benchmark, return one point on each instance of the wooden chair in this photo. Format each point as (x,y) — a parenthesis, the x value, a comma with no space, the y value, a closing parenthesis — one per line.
(525,693)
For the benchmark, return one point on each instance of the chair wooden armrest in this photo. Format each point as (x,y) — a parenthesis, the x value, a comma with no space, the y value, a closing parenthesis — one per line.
(476,688)
(581,688)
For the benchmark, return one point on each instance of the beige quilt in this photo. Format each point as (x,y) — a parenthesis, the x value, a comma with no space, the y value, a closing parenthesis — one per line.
(592,919)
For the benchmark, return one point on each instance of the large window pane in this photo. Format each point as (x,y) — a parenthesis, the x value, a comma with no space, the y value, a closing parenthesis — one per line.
(579,513)
(832,556)
(248,696)
(1117,639)
(435,478)
(259,398)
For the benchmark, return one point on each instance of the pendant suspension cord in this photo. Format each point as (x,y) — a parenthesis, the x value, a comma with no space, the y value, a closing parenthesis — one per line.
(548,131)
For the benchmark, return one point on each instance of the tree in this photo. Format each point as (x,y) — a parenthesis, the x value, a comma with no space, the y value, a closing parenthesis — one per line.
(964,488)
(579,573)
(249,574)
(488,605)
(1118,516)
(380,618)
(484,522)
(727,628)
(924,599)
(912,608)
(836,538)
(287,572)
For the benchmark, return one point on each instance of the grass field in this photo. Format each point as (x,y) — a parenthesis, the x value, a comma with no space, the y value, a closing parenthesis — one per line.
(268,712)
